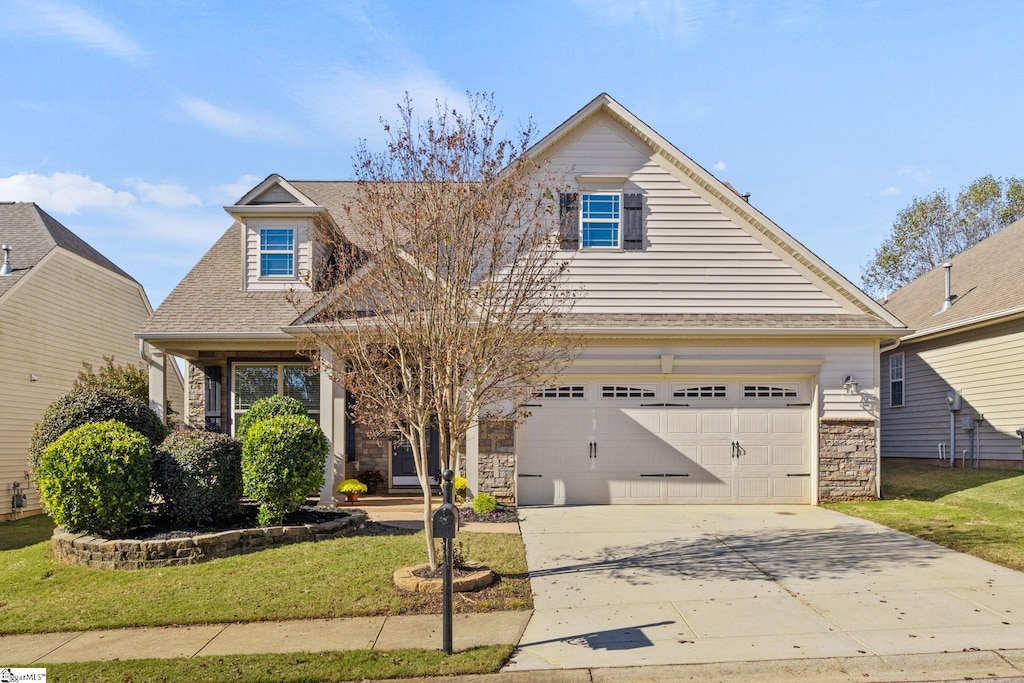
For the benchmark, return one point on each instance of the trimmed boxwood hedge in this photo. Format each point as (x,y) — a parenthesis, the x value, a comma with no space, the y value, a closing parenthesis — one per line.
(266,408)
(282,461)
(198,475)
(82,406)
(96,478)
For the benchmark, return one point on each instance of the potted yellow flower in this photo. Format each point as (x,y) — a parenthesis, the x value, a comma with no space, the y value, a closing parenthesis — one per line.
(351,488)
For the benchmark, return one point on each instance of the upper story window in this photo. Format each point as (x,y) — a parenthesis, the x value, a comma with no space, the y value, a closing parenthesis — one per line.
(277,252)
(896,380)
(604,220)
(600,219)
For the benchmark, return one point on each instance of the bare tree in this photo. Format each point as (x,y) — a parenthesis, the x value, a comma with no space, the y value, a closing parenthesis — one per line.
(446,306)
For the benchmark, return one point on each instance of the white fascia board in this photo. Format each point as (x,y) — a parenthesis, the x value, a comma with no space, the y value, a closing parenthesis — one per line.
(207,336)
(274,210)
(727,332)
(964,325)
(267,183)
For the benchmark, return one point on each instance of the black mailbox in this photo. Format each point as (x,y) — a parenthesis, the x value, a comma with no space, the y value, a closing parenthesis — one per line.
(446,521)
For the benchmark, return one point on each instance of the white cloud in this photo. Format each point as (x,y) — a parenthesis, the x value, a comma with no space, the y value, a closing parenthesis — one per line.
(239,125)
(232,192)
(63,192)
(720,166)
(890,191)
(170,195)
(921,176)
(678,18)
(350,103)
(39,18)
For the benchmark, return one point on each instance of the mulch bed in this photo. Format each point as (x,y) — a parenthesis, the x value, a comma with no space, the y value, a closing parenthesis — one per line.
(501,515)
(307,514)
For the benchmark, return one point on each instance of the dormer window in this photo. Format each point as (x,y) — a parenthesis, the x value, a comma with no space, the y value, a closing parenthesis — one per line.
(277,252)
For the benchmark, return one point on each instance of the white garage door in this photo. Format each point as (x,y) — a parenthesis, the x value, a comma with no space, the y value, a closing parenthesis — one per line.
(609,442)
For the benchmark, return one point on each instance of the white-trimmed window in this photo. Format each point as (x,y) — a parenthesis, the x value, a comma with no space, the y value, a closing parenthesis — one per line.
(612,391)
(252,381)
(896,393)
(573,391)
(600,219)
(277,252)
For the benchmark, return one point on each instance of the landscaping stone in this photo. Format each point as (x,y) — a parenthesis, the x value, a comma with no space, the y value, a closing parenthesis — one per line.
(406,579)
(101,553)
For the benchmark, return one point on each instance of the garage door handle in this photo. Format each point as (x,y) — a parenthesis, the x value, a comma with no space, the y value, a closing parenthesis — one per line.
(664,475)
(531,476)
(803,474)
(798,405)
(664,405)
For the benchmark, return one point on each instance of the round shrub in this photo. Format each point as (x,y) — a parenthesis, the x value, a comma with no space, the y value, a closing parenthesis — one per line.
(484,504)
(95,478)
(282,462)
(266,408)
(199,476)
(82,406)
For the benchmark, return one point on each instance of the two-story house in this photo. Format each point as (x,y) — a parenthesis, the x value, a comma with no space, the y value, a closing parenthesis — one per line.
(723,363)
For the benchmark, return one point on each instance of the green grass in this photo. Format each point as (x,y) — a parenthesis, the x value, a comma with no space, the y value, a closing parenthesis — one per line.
(979,512)
(287,668)
(343,577)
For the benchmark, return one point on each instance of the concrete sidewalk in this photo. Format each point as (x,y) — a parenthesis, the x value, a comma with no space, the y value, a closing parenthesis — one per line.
(302,635)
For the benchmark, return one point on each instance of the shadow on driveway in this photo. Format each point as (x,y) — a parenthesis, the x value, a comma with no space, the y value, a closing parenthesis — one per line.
(775,554)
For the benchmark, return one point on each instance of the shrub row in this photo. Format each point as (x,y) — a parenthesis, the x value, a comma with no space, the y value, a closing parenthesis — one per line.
(98,454)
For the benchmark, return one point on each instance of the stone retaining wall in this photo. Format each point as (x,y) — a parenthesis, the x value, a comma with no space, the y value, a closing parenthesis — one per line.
(102,553)
(847,461)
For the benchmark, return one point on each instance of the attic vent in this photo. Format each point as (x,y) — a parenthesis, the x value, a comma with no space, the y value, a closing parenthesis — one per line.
(5,269)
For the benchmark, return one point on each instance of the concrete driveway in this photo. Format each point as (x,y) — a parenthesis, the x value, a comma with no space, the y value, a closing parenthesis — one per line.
(647,585)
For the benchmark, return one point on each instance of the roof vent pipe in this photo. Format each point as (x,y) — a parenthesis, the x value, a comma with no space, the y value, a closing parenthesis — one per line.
(948,301)
(5,269)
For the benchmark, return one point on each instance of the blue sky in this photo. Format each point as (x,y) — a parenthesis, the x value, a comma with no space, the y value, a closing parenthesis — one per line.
(133,123)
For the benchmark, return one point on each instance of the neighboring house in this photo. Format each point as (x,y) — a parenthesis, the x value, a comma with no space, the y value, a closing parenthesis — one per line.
(724,362)
(956,380)
(61,303)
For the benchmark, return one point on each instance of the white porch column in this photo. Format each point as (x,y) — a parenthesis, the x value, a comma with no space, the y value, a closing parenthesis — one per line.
(332,422)
(473,460)
(157,382)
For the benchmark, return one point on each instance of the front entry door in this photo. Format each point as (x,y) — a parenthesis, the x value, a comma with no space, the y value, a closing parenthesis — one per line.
(403,467)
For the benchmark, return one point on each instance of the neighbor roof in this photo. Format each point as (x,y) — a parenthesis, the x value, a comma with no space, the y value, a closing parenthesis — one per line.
(32,234)
(987,283)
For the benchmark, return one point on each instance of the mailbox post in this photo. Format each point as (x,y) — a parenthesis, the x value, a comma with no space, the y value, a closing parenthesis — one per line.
(446,525)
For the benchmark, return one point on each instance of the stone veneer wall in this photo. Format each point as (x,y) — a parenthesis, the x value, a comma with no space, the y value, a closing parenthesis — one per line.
(497,459)
(102,553)
(847,462)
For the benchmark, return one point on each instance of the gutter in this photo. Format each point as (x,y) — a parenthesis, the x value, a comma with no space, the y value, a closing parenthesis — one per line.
(192,336)
(966,325)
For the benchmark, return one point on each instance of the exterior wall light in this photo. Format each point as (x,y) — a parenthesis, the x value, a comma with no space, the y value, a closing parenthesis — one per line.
(850,384)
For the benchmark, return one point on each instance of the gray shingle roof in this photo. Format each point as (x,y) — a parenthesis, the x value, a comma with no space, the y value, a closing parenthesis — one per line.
(32,234)
(986,279)
(210,298)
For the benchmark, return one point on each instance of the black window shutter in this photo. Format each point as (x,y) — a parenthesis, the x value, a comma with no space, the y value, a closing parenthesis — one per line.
(569,220)
(213,383)
(633,221)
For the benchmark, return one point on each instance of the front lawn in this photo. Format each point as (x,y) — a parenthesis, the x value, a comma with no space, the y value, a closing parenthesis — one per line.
(344,577)
(288,668)
(979,512)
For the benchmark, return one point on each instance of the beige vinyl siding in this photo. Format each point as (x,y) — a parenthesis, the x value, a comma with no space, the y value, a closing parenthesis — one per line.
(275,195)
(303,259)
(986,366)
(68,310)
(695,259)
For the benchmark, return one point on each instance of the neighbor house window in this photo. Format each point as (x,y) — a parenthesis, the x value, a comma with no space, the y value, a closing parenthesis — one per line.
(896,380)
(277,252)
(253,381)
(600,217)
